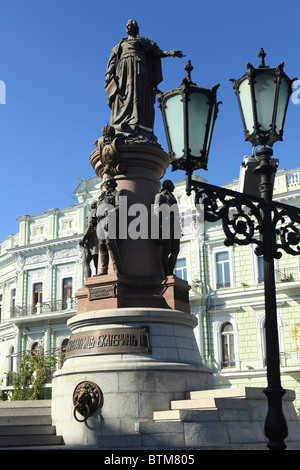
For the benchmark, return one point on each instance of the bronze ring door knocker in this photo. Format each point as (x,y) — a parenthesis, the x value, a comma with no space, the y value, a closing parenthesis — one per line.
(87,398)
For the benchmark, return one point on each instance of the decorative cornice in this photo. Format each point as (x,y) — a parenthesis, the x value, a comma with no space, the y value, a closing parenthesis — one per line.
(45,244)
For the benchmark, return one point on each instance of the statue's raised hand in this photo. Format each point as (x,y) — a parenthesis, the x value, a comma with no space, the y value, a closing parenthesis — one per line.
(177,54)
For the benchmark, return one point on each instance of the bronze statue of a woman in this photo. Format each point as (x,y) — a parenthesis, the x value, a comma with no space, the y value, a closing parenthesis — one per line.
(132,75)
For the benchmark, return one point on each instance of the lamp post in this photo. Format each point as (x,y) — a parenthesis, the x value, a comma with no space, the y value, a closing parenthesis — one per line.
(263,96)
(189,113)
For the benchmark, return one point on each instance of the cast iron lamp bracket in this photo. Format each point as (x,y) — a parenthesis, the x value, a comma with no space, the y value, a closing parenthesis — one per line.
(263,96)
(243,222)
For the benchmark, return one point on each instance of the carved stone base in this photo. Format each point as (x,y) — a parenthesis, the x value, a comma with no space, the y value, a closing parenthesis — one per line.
(139,358)
(118,291)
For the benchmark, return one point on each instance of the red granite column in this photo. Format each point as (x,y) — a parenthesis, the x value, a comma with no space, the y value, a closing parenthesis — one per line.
(142,283)
(145,166)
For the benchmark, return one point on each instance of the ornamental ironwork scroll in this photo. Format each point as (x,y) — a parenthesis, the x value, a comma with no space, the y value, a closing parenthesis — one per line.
(242,219)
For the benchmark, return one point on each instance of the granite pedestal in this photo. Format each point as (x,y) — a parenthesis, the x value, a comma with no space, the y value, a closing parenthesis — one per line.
(135,378)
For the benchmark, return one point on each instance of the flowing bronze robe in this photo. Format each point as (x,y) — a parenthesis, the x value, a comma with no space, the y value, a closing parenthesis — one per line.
(135,69)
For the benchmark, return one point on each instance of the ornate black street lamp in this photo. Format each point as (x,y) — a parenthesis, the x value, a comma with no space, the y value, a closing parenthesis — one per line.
(189,113)
(263,96)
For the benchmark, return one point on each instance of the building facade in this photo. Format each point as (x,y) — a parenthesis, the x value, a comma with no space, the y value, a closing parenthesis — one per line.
(41,267)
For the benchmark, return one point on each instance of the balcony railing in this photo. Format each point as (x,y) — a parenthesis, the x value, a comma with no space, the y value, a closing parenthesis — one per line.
(293,179)
(44,307)
(287,275)
(288,359)
(284,275)
(223,285)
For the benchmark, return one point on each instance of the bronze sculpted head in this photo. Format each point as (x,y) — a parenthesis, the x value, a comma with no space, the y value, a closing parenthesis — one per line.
(132,28)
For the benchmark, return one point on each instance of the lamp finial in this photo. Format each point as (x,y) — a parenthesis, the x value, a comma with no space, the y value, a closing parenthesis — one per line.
(188,68)
(262,56)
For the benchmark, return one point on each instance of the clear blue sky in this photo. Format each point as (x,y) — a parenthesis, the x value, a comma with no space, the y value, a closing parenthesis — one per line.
(53,57)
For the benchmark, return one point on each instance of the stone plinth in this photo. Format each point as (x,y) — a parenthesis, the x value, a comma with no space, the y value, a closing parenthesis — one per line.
(145,166)
(118,291)
(135,378)
(142,282)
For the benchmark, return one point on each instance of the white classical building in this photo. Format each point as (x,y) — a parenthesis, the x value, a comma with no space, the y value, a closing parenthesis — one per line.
(41,267)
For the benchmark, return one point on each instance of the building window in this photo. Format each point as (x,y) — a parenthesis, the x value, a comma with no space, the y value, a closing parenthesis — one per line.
(13,298)
(67,224)
(37,296)
(38,231)
(223,269)
(67,285)
(63,350)
(11,359)
(181,269)
(37,348)
(34,349)
(37,293)
(227,342)
(1,302)
(260,265)
(258,271)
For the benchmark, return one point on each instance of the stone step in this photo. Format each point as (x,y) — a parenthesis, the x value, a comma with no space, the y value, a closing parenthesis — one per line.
(205,403)
(205,433)
(241,392)
(210,404)
(25,408)
(186,415)
(207,420)
(25,420)
(30,441)
(34,404)
(40,411)
(27,424)
(26,430)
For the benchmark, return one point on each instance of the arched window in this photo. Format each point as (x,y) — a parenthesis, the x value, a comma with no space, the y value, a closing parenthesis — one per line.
(37,296)
(34,349)
(63,350)
(66,291)
(227,343)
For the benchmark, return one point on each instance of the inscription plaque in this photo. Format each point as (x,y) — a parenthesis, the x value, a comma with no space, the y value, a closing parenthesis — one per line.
(109,341)
(102,292)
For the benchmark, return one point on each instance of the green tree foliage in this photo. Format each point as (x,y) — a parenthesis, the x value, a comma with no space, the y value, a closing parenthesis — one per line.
(33,370)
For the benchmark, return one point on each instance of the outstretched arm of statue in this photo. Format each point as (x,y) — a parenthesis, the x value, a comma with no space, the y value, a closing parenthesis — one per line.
(174,54)
(157,52)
